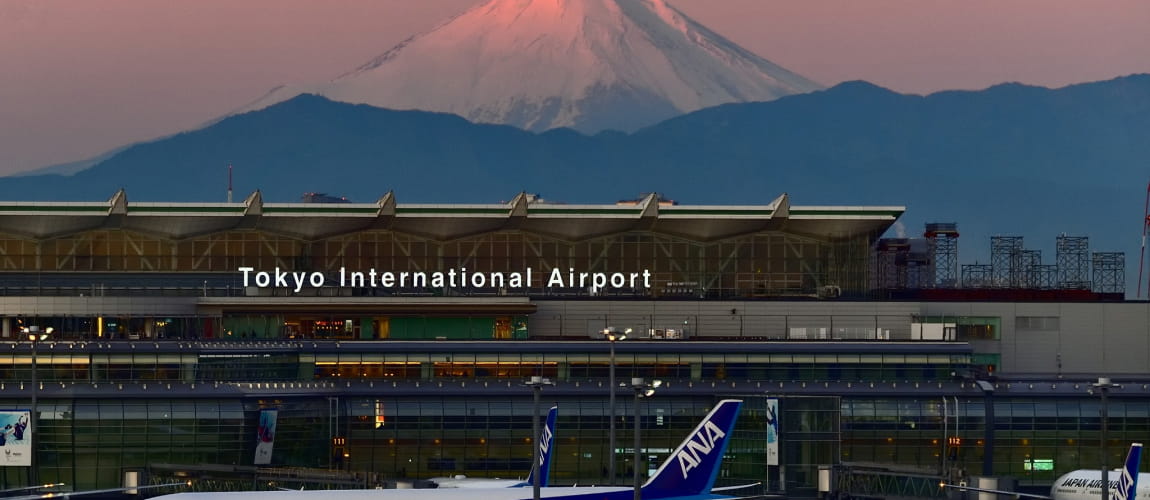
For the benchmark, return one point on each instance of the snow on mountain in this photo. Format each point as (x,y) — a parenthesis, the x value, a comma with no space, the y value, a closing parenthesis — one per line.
(541,64)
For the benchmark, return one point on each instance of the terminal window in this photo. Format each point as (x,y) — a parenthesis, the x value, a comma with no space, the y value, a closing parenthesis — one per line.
(978,328)
(1036,323)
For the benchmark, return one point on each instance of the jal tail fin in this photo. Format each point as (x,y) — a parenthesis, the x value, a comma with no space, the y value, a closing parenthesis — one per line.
(546,449)
(693,466)
(1128,482)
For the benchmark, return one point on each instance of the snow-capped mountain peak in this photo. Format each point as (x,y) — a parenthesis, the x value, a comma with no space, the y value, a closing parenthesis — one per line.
(540,64)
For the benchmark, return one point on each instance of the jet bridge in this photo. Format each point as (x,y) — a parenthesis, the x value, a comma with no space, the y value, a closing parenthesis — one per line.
(857,480)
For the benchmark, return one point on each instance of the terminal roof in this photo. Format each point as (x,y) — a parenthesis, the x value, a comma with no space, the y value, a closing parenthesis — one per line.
(442,221)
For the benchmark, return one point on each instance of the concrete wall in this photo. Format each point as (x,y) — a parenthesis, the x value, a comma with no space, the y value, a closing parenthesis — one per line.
(583,318)
(1089,338)
(95,306)
(1085,338)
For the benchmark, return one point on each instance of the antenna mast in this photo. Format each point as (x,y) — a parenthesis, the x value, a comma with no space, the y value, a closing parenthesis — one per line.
(1145,222)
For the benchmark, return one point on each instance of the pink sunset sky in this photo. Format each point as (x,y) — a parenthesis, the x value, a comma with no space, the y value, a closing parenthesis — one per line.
(78,78)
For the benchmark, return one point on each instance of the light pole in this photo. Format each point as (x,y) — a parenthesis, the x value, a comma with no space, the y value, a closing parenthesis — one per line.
(642,390)
(1103,385)
(988,429)
(536,383)
(611,334)
(35,336)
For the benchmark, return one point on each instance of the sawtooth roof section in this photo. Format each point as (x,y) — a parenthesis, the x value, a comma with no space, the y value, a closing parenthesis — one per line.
(310,221)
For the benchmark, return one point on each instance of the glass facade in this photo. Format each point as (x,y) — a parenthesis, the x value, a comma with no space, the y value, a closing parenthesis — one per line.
(758,263)
(810,434)
(1036,439)
(375,327)
(963,328)
(371,324)
(89,443)
(209,363)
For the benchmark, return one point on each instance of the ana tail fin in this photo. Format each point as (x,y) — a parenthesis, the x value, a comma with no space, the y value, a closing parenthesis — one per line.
(693,466)
(1128,483)
(546,448)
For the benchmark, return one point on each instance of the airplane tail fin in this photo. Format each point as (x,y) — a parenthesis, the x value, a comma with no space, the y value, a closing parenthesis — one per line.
(1128,483)
(546,448)
(693,466)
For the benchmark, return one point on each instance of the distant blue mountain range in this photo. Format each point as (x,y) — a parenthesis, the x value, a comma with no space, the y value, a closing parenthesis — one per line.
(1011,159)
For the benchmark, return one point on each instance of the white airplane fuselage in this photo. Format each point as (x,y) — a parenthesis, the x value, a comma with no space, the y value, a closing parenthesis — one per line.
(413,494)
(476,482)
(1087,485)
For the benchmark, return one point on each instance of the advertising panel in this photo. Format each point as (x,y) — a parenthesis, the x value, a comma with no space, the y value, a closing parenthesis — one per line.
(772,431)
(16,437)
(265,436)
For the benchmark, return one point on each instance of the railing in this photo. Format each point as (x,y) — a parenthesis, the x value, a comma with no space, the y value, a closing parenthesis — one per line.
(663,285)
(857,480)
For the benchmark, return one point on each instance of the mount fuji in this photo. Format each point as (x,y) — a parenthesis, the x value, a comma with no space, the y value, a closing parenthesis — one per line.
(590,65)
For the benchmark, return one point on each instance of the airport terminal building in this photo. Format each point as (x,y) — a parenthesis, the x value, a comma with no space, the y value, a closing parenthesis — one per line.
(391,342)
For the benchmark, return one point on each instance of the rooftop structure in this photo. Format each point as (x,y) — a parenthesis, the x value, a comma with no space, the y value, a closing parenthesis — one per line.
(701,250)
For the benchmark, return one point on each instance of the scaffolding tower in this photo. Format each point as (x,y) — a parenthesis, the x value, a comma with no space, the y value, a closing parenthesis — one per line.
(1028,264)
(1073,259)
(1043,276)
(977,275)
(903,263)
(944,249)
(920,264)
(1006,261)
(890,263)
(932,262)
(1109,272)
